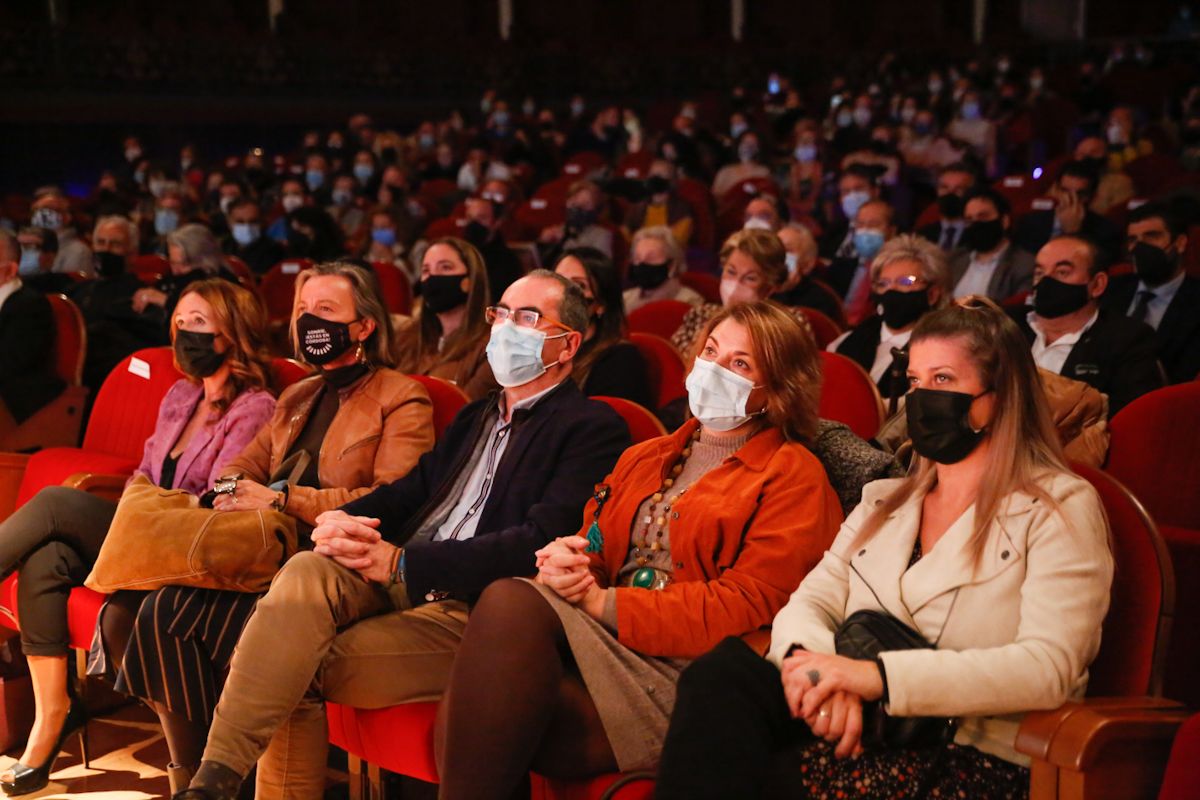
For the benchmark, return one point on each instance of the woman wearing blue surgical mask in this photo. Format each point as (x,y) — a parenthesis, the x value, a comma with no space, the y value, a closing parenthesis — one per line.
(388,234)
(909,278)
(448,335)
(694,536)
(747,163)
(972,127)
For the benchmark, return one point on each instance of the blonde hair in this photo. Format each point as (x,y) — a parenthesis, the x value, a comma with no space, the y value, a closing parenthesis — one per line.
(1024,444)
(924,253)
(368,304)
(764,248)
(787,354)
(239,317)
(660,233)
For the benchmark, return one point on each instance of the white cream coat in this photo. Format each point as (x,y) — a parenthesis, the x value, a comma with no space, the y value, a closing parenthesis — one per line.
(1015,635)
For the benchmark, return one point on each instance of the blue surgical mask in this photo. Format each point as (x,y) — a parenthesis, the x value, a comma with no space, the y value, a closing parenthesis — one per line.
(970,110)
(383,236)
(341,197)
(806,152)
(31,261)
(867,243)
(246,233)
(363,172)
(515,353)
(314,178)
(853,201)
(166,220)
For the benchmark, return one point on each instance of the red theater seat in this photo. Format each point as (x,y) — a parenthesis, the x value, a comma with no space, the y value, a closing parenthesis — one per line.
(660,318)
(394,287)
(824,329)
(614,786)
(666,369)
(278,287)
(447,401)
(642,424)
(708,286)
(397,738)
(848,395)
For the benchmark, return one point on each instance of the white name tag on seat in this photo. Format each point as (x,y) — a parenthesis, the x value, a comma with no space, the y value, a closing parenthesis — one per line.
(290,268)
(537,205)
(140,368)
(1042,204)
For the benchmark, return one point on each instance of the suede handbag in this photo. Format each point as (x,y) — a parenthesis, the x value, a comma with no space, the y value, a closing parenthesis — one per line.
(164,537)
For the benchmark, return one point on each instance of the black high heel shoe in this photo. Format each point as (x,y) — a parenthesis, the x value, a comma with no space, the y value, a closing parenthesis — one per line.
(31,779)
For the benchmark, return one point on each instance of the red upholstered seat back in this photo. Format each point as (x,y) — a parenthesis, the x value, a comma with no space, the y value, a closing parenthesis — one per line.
(127,404)
(1183,769)
(664,367)
(396,738)
(447,401)
(708,286)
(286,371)
(661,318)
(70,339)
(278,287)
(848,395)
(1143,596)
(824,329)
(1155,451)
(393,287)
(642,424)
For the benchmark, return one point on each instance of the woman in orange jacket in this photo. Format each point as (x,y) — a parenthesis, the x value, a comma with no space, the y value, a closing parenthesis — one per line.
(694,536)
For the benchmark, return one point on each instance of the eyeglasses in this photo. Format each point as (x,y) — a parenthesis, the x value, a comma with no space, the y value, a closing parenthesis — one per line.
(521,317)
(881,285)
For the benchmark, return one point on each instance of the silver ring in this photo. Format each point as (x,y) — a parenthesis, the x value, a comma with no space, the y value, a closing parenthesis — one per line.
(814,677)
(234,499)
(822,713)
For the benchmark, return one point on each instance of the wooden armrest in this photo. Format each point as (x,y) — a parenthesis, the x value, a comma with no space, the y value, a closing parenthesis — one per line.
(12,470)
(102,485)
(1100,747)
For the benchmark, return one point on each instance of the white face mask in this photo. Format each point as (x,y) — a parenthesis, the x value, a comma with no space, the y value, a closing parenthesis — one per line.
(515,354)
(793,261)
(757,223)
(717,396)
(734,292)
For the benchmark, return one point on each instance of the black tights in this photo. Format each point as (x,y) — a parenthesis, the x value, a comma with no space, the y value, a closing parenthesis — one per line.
(185,738)
(515,701)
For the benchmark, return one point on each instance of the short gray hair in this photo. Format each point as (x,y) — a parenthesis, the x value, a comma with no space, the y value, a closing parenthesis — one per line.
(572,307)
(131,230)
(911,247)
(201,248)
(660,233)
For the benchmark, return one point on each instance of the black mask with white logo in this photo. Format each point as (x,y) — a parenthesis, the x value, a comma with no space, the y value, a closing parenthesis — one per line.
(321,340)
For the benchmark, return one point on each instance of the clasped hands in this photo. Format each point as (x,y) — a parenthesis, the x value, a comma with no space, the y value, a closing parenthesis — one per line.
(827,692)
(562,565)
(355,543)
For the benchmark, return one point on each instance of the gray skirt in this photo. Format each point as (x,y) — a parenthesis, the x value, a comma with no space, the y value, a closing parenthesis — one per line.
(634,693)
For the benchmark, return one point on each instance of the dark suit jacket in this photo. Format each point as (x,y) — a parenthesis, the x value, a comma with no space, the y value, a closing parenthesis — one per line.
(933,232)
(1116,356)
(1033,230)
(1178,333)
(839,274)
(813,292)
(27,377)
(1014,272)
(559,450)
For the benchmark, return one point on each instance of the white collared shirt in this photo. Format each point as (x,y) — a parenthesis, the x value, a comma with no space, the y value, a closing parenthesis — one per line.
(7,290)
(888,339)
(1052,356)
(978,276)
(1156,307)
(463,520)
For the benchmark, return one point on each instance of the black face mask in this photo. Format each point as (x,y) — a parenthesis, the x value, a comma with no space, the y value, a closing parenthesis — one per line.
(578,218)
(657,184)
(939,424)
(901,309)
(1095,164)
(196,355)
(341,377)
(983,236)
(1052,298)
(299,244)
(476,233)
(442,292)
(950,206)
(322,340)
(1154,265)
(649,276)
(109,265)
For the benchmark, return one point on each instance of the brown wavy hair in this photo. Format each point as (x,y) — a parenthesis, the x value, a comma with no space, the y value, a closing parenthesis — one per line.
(791,365)
(474,326)
(764,248)
(1024,443)
(240,319)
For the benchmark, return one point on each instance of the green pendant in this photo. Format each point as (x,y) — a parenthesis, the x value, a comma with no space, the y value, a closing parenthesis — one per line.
(643,578)
(595,539)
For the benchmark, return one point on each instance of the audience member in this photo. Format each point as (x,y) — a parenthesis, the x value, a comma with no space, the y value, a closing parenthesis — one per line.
(246,239)
(849,273)
(1068,215)
(802,287)
(953,184)
(663,206)
(52,211)
(584,208)
(655,263)
(987,263)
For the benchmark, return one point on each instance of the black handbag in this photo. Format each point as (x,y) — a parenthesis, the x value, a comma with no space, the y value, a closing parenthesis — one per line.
(864,635)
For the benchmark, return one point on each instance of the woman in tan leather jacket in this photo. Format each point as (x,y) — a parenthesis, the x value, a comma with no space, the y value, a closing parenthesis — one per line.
(334,436)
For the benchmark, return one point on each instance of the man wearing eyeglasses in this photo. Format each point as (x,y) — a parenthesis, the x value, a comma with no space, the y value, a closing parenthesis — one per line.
(373,616)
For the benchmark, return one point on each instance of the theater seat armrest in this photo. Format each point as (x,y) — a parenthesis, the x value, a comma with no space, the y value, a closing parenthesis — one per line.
(1095,747)
(12,470)
(100,484)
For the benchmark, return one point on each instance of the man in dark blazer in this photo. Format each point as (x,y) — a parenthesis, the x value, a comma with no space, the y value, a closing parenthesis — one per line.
(1160,294)
(1067,214)
(1072,336)
(374,615)
(955,181)
(987,262)
(27,377)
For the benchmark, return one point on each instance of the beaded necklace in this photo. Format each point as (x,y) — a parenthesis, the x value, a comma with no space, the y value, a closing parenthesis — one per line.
(657,516)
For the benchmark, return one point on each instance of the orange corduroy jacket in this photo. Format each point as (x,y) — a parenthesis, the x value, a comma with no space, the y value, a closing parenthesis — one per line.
(742,538)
